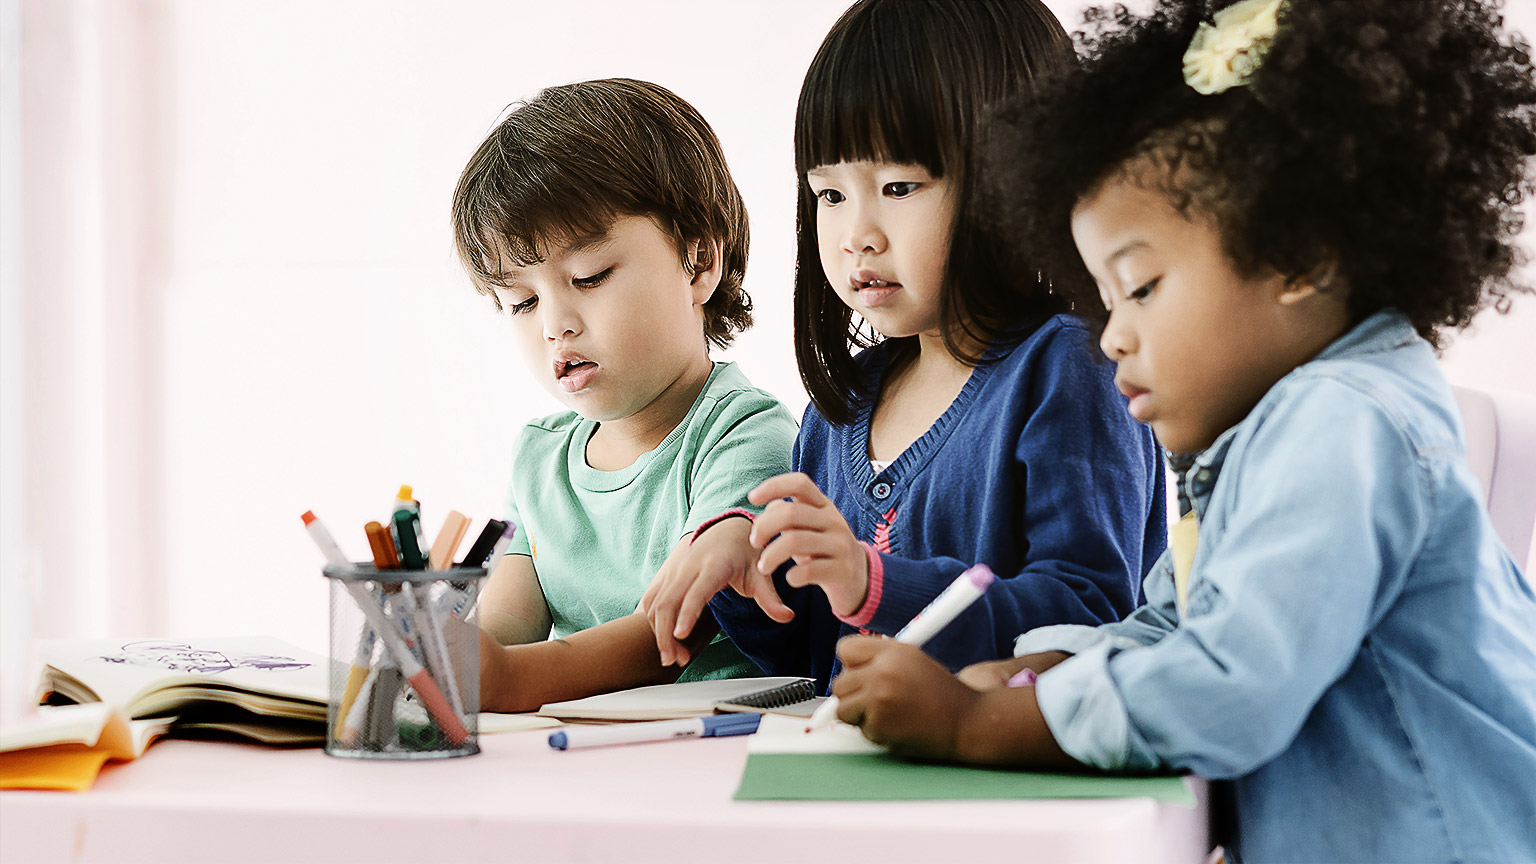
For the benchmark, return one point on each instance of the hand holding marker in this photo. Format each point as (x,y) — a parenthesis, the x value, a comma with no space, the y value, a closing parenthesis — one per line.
(961,593)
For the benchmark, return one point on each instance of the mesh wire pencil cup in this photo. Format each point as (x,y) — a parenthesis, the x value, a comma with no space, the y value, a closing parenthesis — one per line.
(405,670)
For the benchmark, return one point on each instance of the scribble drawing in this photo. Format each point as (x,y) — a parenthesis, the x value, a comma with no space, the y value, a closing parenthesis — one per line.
(182,657)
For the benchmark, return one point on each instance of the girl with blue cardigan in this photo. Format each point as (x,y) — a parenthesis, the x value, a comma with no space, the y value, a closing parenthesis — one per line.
(976,426)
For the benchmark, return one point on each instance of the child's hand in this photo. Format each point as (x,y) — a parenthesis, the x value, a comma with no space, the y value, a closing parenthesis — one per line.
(995,674)
(809,530)
(900,697)
(719,558)
(991,675)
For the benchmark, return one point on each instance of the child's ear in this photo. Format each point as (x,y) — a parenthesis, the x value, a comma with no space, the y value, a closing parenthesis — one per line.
(1322,279)
(705,265)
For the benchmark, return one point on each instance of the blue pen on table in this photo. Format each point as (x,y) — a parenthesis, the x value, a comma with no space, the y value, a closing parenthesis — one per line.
(945,608)
(716,726)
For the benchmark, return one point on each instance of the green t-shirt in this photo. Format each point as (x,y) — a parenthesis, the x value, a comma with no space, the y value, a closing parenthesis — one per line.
(598,537)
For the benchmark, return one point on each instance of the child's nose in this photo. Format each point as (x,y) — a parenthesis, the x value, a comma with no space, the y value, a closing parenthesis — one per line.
(559,319)
(1116,341)
(863,233)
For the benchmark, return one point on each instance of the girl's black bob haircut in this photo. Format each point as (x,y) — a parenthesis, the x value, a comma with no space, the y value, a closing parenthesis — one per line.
(1381,146)
(909,82)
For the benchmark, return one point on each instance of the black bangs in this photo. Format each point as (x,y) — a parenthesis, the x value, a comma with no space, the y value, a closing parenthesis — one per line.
(912,82)
(874,93)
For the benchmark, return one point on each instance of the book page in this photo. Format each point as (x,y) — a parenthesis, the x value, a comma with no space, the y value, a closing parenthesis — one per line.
(781,734)
(126,672)
(95,725)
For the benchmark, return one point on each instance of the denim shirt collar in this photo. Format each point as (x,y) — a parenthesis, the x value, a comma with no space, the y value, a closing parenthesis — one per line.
(1197,472)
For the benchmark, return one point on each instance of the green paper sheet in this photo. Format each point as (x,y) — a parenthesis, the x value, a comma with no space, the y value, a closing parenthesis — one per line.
(880,777)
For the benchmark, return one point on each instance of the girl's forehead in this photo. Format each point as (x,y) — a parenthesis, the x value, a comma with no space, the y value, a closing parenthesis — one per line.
(867,165)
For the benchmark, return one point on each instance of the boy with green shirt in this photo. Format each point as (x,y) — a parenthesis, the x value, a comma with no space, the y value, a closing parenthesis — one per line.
(601,216)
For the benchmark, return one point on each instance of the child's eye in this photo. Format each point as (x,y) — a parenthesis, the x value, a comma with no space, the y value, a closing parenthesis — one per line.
(1145,291)
(830,196)
(525,306)
(592,281)
(901,189)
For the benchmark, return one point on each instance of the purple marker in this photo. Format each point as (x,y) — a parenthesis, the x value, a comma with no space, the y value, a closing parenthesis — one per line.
(1023,678)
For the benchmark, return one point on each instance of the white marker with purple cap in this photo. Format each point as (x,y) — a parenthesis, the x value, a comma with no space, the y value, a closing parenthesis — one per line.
(945,608)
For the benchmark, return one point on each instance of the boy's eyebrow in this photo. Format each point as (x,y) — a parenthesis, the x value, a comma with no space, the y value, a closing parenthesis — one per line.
(588,242)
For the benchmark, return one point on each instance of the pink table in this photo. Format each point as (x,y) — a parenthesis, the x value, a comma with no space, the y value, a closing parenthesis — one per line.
(520,800)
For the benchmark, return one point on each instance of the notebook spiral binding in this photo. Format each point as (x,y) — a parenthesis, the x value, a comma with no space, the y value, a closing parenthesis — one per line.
(778,697)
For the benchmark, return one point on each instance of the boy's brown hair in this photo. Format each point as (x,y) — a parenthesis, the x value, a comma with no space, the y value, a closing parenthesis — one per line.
(564,165)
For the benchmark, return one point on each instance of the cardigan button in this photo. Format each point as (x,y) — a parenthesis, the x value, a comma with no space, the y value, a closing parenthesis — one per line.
(881,490)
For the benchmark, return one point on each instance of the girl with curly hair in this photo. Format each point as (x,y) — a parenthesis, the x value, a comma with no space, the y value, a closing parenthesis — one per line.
(1283,212)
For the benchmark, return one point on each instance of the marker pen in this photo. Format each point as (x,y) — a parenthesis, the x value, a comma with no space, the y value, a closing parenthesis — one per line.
(383,546)
(500,548)
(404,502)
(434,648)
(407,531)
(1023,678)
(432,697)
(573,737)
(480,551)
(324,540)
(961,593)
(364,654)
(448,539)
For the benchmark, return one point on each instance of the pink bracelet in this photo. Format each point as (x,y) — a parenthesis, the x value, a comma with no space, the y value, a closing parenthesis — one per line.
(714,520)
(861,616)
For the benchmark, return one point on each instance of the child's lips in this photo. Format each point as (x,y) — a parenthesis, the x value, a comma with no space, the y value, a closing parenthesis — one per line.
(574,373)
(1140,400)
(872,289)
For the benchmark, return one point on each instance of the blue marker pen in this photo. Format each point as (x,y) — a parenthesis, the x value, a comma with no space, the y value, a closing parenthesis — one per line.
(718,725)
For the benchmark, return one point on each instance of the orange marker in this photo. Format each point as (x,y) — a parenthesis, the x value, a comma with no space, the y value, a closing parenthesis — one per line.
(383,545)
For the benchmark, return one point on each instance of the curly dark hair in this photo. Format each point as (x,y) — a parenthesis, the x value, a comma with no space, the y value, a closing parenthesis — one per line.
(1387,137)
(567,163)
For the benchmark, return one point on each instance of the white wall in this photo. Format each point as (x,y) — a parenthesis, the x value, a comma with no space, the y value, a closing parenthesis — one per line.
(240,295)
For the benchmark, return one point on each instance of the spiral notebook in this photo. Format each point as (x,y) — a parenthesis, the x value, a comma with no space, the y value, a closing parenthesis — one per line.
(793,696)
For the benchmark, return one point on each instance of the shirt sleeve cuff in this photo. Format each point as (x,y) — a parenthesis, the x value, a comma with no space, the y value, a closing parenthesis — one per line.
(715,520)
(864,613)
(1086,715)
(1067,638)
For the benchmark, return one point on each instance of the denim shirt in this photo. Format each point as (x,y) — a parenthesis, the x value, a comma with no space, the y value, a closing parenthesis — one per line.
(1358,651)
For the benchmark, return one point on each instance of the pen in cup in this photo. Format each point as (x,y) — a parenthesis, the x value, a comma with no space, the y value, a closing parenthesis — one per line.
(448,539)
(480,550)
(358,674)
(961,593)
(407,534)
(431,696)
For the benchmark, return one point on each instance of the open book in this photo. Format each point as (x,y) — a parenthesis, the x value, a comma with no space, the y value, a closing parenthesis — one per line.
(793,696)
(131,691)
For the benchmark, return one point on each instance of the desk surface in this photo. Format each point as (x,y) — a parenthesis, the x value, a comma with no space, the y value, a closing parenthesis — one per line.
(520,800)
